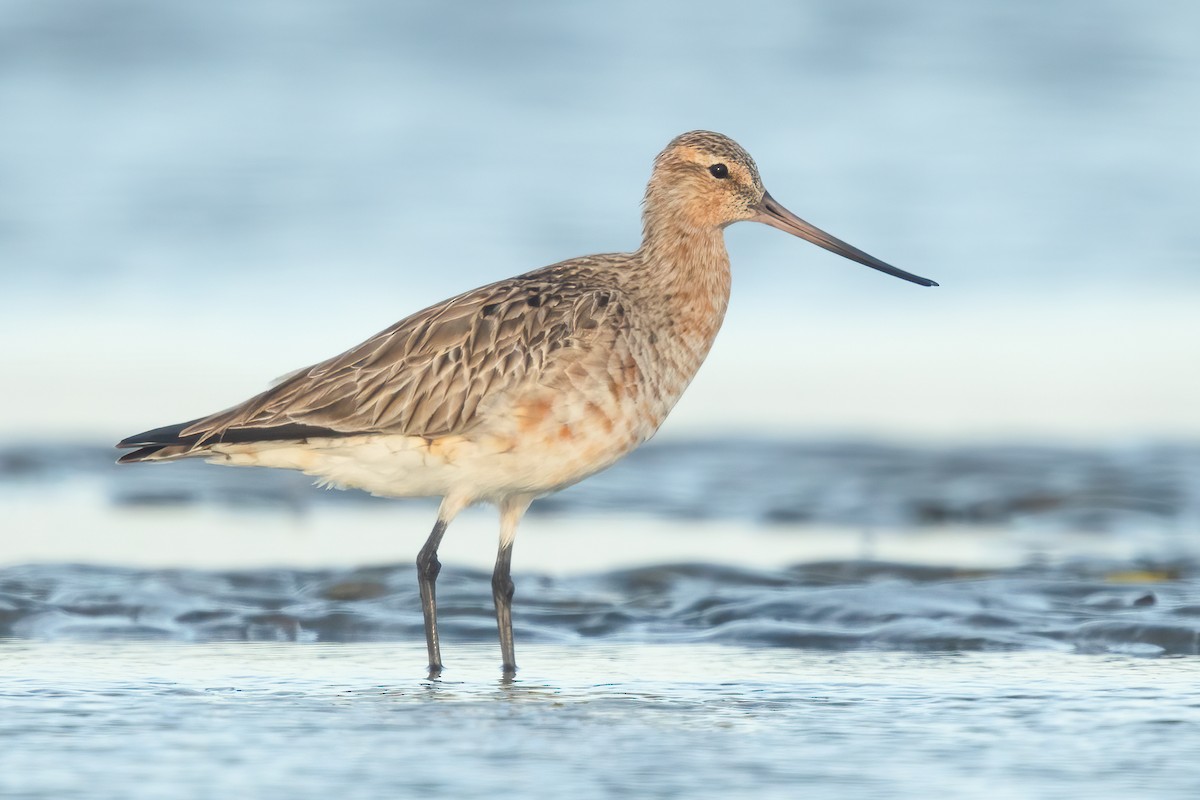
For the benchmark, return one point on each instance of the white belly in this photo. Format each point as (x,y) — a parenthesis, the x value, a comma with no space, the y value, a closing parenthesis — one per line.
(483,468)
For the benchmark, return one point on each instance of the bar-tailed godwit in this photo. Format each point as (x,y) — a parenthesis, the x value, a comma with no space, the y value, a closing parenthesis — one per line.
(521,387)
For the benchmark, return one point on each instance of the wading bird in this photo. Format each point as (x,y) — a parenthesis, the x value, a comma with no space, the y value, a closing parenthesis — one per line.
(521,387)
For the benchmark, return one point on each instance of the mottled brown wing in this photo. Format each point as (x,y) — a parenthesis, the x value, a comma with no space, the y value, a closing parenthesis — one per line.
(426,375)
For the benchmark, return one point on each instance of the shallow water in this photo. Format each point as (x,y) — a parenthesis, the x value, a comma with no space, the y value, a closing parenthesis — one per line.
(1149,610)
(822,545)
(985,621)
(133,720)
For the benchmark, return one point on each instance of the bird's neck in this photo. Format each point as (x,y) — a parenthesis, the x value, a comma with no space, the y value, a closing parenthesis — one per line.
(687,268)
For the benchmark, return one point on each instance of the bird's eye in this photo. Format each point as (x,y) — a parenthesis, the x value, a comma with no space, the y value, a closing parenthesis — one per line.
(719,171)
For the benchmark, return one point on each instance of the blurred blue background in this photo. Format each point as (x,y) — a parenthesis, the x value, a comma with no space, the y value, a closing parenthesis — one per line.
(199,196)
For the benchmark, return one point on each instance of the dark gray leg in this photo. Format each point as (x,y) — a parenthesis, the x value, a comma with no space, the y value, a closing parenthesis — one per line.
(502,594)
(511,510)
(428,568)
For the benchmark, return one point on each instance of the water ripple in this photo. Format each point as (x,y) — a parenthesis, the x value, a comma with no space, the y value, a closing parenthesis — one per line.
(829,606)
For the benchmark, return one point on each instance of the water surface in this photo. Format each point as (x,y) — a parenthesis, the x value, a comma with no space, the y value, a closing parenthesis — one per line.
(133,720)
(707,619)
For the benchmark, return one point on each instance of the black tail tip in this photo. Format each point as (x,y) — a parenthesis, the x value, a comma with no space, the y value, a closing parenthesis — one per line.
(138,455)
